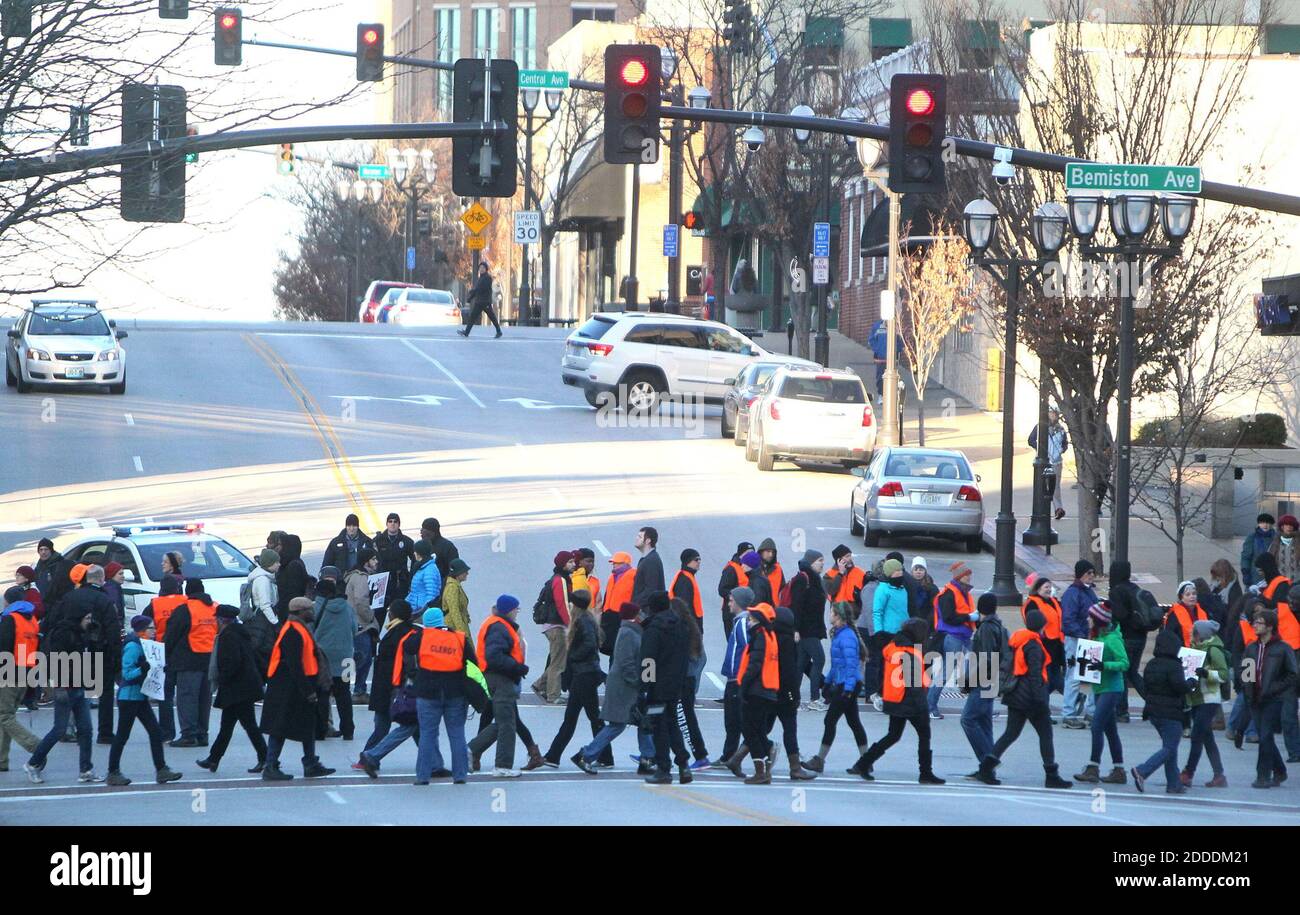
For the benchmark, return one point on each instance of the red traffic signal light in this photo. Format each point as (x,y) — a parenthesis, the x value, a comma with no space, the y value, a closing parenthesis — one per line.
(917,127)
(229,21)
(369,36)
(229,37)
(920,101)
(370,52)
(634,72)
(633,82)
(692,220)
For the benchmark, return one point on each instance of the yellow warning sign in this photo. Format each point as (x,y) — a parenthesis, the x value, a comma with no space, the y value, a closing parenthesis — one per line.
(476,243)
(476,218)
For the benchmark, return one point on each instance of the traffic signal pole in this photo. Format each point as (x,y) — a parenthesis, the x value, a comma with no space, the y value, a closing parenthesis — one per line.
(676,154)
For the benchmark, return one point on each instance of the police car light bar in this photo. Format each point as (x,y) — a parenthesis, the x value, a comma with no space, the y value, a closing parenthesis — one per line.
(193,527)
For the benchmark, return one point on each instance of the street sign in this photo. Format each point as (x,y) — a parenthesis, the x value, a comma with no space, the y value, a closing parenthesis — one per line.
(528,227)
(476,218)
(1096,176)
(821,270)
(543,79)
(410,258)
(373,172)
(475,242)
(695,280)
(671,234)
(821,239)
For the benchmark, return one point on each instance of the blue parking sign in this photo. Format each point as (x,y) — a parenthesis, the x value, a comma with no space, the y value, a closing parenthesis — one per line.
(670,240)
(821,239)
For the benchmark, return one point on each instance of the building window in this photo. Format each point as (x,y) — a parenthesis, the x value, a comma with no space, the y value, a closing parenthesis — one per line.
(523,36)
(889,36)
(596,13)
(448,48)
(487,32)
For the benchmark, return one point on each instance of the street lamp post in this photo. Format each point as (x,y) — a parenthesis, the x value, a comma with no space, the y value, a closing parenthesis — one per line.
(871,155)
(1039,532)
(821,342)
(357,191)
(979,223)
(529,98)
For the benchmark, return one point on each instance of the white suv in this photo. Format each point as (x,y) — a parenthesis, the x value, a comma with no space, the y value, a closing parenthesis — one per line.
(639,357)
(811,414)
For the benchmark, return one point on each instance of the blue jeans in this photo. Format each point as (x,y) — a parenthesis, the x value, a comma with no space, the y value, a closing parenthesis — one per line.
(392,740)
(1269,719)
(1104,726)
(951,646)
(1171,734)
(363,655)
(977,722)
(68,703)
(383,724)
(1240,717)
(432,713)
(1075,704)
(606,736)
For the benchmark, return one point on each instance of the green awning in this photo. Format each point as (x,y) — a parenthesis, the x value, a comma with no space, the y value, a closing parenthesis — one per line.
(890,33)
(749,212)
(1282,39)
(824,32)
(983,34)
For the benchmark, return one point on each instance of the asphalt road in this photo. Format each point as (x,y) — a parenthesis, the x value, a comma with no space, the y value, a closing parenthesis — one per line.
(262,427)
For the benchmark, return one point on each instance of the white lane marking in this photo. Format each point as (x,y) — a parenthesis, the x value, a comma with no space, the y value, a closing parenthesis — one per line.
(600,547)
(273,333)
(139,465)
(336,798)
(1072,811)
(440,367)
(130,420)
(559,496)
(716,680)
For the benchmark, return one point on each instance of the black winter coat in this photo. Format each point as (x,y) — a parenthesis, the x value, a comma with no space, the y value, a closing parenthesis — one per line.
(444,551)
(381,685)
(1275,671)
(238,677)
(396,555)
(649,577)
(336,554)
(1029,692)
(291,580)
(107,634)
(1166,686)
(727,583)
(289,711)
(787,657)
(1124,602)
(584,650)
(762,589)
(808,601)
(666,642)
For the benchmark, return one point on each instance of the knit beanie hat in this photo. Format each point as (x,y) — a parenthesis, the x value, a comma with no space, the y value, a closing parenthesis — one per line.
(505,603)
(891,567)
(562,559)
(840,552)
(744,597)
(1100,613)
(987,604)
(689,555)
(1204,629)
(811,556)
(628,611)
(1083,567)
(920,561)
(433,617)
(1035,620)
(751,559)
(268,558)
(77,573)
(581,598)
(1183,586)
(140,623)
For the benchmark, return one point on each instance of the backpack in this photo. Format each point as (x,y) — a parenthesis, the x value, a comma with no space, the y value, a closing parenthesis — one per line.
(544,610)
(245,600)
(783,599)
(1148,615)
(262,633)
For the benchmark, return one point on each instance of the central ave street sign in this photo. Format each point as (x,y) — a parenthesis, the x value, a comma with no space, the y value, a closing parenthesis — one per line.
(543,79)
(1096,176)
(528,227)
(476,217)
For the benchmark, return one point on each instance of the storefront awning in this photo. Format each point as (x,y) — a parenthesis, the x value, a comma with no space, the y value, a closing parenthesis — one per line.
(743,215)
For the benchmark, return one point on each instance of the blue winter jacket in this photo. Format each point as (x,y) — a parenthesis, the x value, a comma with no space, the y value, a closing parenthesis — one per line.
(426,585)
(889,608)
(1074,609)
(1256,542)
(132,655)
(737,639)
(844,659)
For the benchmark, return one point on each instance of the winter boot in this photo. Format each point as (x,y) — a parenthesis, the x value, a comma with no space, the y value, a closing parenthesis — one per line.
(866,761)
(1091,774)
(736,761)
(273,773)
(927,776)
(815,764)
(762,775)
(797,774)
(684,775)
(208,763)
(1054,779)
(853,769)
(166,775)
(535,759)
(117,779)
(316,769)
(1117,776)
(985,773)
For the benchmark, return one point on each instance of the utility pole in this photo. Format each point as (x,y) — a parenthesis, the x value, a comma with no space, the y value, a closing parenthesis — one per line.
(676,153)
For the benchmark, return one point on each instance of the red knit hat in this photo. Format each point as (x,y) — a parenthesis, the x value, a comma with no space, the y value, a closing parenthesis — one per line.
(562,558)
(112,569)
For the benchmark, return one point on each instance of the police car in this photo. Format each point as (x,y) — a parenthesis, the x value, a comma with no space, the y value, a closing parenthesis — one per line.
(139,549)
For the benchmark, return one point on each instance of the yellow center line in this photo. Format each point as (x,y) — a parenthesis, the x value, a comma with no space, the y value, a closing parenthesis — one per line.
(344,473)
(716,805)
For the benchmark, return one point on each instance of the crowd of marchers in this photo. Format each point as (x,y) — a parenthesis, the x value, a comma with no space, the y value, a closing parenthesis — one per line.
(624,649)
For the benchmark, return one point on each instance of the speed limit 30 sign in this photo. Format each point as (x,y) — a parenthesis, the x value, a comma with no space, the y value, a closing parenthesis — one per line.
(528,227)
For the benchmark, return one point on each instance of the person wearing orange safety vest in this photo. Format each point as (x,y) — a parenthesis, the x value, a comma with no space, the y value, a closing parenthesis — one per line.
(1276,591)
(759,676)
(954,621)
(20,640)
(191,633)
(591,584)
(503,655)
(734,576)
(439,657)
(618,591)
(685,587)
(1185,612)
(770,569)
(289,710)
(1026,699)
(903,692)
(1042,595)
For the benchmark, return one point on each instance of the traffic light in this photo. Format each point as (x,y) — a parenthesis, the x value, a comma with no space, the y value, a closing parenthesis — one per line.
(738,19)
(370,52)
(173,9)
(15,18)
(632,99)
(79,127)
(917,128)
(229,36)
(284,164)
(693,221)
(485,166)
(424,220)
(153,187)
(191,132)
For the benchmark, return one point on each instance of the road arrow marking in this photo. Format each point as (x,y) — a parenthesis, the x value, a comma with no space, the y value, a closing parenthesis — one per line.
(428,400)
(529,404)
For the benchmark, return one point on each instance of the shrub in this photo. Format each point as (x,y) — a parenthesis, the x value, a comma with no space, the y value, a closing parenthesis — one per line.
(1262,430)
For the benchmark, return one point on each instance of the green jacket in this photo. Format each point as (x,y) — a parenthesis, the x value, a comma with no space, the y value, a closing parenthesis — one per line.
(1114,662)
(1216,673)
(455,607)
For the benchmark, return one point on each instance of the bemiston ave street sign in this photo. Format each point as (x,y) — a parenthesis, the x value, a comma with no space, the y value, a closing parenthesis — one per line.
(1096,176)
(373,172)
(543,79)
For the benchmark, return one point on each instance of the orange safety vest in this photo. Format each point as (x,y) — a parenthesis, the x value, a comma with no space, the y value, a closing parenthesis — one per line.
(771,674)
(442,651)
(162,611)
(309,665)
(855,578)
(776,578)
(1051,608)
(1288,628)
(400,657)
(695,589)
(203,626)
(593,587)
(26,639)
(963,605)
(516,647)
(1018,641)
(1248,635)
(620,591)
(1185,620)
(895,685)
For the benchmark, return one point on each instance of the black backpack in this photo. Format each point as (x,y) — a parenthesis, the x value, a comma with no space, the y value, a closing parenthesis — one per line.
(263,633)
(544,610)
(1148,614)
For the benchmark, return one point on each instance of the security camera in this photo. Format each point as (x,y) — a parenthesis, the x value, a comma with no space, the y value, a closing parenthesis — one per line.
(1004,173)
(754,138)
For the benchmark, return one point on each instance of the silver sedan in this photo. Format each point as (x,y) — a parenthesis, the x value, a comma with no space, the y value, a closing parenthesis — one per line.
(917,492)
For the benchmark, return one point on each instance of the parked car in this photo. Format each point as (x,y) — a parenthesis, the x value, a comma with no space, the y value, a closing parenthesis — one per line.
(368,312)
(65,342)
(918,492)
(811,414)
(139,548)
(422,308)
(746,388)
(640,356)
